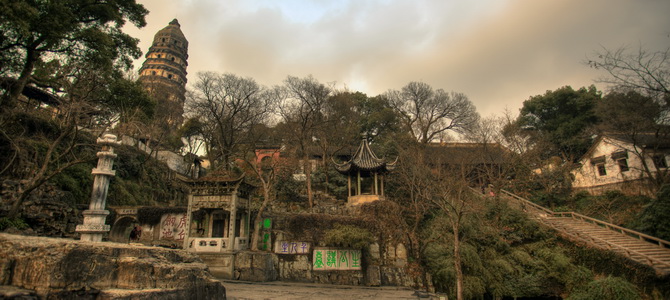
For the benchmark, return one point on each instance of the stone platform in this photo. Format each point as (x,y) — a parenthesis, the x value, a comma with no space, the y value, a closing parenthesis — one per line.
(68,269)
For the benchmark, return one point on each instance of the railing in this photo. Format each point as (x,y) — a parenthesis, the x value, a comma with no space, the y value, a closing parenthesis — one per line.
(611,246)
(594,240)
(578,216)
(529,203)
(212,244)
(217,244)
(241,243)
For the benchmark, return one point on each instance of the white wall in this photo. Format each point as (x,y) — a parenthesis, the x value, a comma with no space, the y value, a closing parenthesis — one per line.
(588,176)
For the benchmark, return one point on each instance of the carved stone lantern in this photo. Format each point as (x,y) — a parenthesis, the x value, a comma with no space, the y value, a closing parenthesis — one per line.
(94,226)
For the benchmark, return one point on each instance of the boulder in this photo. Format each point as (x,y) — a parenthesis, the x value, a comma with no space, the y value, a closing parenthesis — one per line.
(66,269)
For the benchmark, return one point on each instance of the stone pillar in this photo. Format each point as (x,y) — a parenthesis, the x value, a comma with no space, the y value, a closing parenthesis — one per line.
(94,226)
(189,214)
(233,222)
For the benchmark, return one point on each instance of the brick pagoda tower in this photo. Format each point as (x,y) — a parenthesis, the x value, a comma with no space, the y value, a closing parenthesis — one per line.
(164,74)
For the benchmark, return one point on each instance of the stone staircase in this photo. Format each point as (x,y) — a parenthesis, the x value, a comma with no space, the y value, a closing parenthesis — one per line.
(637,246)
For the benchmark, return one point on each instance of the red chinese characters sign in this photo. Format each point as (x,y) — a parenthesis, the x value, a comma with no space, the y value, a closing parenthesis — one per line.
(173,227)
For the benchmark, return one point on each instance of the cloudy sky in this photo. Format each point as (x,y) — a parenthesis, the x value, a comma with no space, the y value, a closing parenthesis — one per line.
(497,52)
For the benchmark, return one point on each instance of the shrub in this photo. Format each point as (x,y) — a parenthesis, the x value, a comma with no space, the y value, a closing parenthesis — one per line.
(348,236)
(12,223)
(655,218)
(611,288)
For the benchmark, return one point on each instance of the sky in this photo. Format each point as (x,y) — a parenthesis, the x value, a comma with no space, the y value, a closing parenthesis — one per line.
(497,52)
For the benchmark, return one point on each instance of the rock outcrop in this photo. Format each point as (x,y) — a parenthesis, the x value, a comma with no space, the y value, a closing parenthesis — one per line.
(67,269)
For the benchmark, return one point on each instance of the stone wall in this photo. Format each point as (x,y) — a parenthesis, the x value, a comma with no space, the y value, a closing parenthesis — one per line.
(255,266)
(386,267)
(68,269)
(47,210)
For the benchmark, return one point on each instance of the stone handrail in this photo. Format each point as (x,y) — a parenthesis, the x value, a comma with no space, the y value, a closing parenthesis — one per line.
(208,244)
(611,246)
(574,215)
(528,202)
(633,233)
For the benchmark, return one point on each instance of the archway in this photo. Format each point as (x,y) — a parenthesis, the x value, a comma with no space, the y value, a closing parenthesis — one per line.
(120,232)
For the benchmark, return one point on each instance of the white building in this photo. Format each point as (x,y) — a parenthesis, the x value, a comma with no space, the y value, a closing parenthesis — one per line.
(615,162)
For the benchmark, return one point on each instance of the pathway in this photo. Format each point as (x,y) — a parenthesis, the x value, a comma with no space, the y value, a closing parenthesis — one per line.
(635,245)
(276,290)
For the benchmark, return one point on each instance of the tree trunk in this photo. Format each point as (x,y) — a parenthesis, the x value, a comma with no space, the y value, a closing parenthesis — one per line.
(324,162)
(16,89)
(259,217)
(457,262)
(308,178)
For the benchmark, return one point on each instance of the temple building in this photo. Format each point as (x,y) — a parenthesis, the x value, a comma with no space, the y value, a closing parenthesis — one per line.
(164,73)
(218,218)
(218,207)
(368,172)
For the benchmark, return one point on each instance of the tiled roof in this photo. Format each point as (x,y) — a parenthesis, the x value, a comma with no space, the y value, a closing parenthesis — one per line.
(365,160)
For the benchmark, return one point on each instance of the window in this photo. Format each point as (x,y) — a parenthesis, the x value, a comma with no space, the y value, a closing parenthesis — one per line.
(660,162)
(623,164)
(169,76)
(159,56)
(153,73)
(173,59)
(601,169)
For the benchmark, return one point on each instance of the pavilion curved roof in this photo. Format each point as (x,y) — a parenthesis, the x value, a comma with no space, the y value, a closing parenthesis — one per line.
(365,160)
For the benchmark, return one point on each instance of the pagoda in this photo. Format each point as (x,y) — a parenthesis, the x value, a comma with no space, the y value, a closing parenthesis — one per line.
(163,73)
(368,171)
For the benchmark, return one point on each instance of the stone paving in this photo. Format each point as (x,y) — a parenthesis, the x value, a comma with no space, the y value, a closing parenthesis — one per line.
(242,290)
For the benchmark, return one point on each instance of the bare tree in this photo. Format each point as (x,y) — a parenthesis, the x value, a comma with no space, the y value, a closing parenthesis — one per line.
(415,192)
(431,185)
(647,72)
(427,113)
(42,152)
(228,107)
(303,113)
(637,108)
(265,171)
(638,120)
(455,199)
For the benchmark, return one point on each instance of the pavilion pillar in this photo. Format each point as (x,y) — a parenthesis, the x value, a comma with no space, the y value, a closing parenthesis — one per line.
(358,185)
(376,186)
(382,185)
(349,185)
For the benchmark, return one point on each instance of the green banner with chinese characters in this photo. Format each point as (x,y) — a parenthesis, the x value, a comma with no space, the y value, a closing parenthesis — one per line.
(328,259)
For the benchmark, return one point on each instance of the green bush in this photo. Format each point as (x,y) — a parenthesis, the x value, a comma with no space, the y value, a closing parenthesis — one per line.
(655,218)
(76,180)
(289,189)
(12,223)
(336,185)
(348,236)
(609,288)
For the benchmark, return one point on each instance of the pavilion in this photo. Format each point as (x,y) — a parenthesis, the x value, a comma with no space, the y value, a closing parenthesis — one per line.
(369,172)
